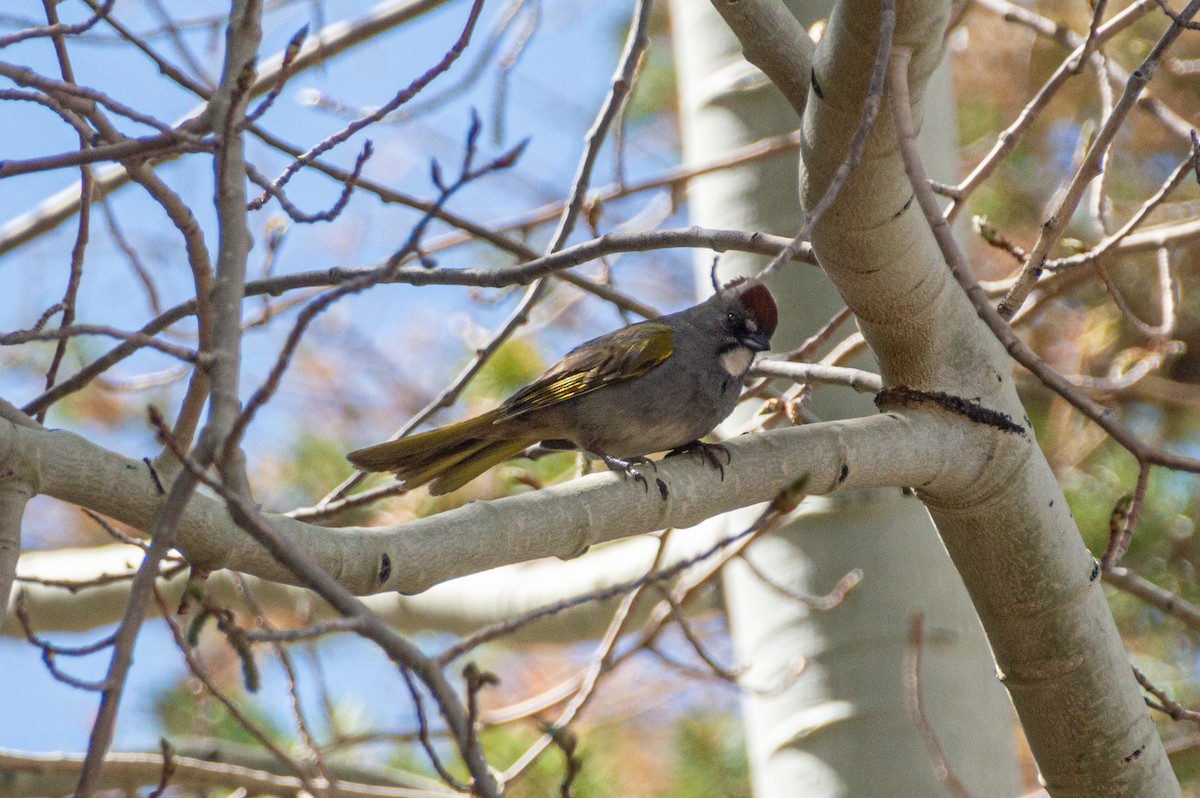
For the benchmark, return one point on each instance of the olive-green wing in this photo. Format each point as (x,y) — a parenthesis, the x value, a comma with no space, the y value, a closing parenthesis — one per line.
(620,355)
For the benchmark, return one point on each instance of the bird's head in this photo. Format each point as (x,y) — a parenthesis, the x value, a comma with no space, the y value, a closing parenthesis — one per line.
(748,320)
(750,313)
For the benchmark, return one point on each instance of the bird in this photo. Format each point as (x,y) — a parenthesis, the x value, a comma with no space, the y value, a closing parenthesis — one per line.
(655,386)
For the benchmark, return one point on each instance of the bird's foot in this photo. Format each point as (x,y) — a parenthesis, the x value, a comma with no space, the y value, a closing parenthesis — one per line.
(628,467)
(708,453)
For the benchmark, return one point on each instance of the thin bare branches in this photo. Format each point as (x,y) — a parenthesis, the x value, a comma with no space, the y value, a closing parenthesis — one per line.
(1162,600)
(401,97)
(1083,53)
(402,652)
(859,380)
(239,716)
(161,542)
(139,339)
(57,29)
(86,185)
(901,114)
(49,774)
(1181,172)
(1163,702)
(622,82)
(327,43)
(469,173)
(299,216)
(1053,227)
(916,708)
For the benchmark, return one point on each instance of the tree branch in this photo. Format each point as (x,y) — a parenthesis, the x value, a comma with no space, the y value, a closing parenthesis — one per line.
(561,520)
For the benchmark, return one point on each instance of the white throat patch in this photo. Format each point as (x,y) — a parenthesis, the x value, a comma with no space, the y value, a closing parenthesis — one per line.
(737,361)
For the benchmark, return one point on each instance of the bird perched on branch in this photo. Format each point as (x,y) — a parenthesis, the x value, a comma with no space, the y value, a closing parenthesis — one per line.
(654,386)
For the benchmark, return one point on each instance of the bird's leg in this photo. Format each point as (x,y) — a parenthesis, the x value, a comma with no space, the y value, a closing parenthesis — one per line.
(707,452)
(627,466)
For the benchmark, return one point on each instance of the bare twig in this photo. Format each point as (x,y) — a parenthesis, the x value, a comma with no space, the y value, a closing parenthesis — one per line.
(327,43)
(140,339)
(829,601)
(1165,704)
(423,733)
(310,632)
(57,29)
(122,769)
(162,537)
(360,283)
(401,97)
(228,108)
(603,661)
(243,720)
(959,267)
(168,769)
(1112,241)
(86,186)
(281,77)
(313,751)
(51,651)
(1124,519)
(916,707)
(334,211)
(859,380)
(1053,227)
(1011,136)
(403,653)
(635,43)
(131,255)
(1162,600)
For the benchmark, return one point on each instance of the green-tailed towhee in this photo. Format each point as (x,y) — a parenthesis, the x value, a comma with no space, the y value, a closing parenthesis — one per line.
(653,386)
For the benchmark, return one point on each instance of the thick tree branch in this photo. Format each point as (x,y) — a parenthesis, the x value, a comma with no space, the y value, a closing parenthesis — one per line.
(775,42)
(561,520)
(1097,738)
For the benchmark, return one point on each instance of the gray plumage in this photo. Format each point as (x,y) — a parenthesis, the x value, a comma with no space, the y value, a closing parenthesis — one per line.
(650,387)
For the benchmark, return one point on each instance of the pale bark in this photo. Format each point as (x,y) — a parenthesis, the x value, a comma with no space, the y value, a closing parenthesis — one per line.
(559,521)
(14,494)
(810,739)
(16,488)
(1007,526)
(458,606)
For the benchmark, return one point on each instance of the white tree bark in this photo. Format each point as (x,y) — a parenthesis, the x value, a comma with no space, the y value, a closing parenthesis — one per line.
(1006,526)
(458,606)
(809,739)
(558,521)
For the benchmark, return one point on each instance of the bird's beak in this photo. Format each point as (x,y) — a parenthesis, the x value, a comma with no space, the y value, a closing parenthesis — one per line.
(756,342)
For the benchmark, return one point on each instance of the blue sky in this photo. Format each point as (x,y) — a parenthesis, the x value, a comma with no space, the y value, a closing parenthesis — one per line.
(553,92)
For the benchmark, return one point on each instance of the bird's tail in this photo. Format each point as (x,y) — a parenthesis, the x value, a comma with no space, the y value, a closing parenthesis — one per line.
(448,457)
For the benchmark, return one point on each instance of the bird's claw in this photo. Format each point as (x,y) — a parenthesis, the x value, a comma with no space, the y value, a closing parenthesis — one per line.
(628,467)
(707,452)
